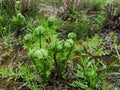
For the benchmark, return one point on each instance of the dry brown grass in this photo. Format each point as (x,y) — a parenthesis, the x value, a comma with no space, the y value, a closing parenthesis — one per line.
(26,4)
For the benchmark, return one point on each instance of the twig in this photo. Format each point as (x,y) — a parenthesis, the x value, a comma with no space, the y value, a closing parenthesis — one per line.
(21,86)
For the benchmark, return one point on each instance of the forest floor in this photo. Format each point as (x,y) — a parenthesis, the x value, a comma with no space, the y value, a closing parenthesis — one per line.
(11,57)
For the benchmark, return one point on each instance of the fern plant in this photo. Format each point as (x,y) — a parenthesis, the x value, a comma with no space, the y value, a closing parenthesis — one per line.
(36,43)
(46,51)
